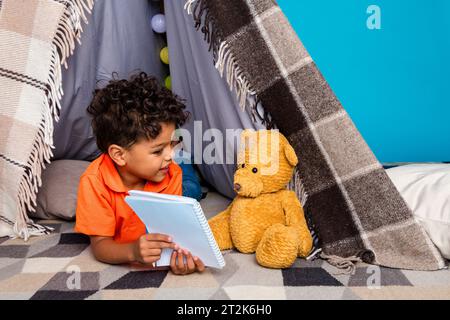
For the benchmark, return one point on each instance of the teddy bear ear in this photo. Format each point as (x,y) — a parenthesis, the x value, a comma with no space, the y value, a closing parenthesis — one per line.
(290,155)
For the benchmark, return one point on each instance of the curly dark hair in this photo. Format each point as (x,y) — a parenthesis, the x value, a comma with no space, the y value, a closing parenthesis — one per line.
(127,110)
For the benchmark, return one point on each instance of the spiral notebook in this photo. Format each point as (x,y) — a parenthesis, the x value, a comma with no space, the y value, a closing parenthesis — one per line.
(180,217)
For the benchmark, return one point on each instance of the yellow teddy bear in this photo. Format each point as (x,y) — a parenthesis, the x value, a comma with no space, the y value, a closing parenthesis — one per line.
(265,217)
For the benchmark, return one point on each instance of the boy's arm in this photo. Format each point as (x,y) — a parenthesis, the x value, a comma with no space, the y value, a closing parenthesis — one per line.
(106,250)
(147,249)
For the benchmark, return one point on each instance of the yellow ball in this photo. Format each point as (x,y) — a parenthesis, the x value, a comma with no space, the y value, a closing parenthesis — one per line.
(168,82)
(164,55)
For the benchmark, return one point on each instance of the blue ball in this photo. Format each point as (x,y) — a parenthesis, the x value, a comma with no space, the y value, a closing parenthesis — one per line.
(159,23)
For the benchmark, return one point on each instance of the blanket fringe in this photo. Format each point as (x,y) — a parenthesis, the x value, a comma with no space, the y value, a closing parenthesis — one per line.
(225,61)
(347,265)
(234,75)
(188,6)
(69,30)
(33,229)
(297,186)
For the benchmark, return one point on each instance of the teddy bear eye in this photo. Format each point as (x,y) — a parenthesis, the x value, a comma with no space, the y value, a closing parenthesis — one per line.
(254,170)
(243,165)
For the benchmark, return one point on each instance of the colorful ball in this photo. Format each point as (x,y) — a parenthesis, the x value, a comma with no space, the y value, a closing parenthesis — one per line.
(164,55)
(168,82)
(159,23)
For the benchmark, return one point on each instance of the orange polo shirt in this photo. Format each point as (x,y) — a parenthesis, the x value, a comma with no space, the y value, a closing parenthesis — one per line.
(101,206)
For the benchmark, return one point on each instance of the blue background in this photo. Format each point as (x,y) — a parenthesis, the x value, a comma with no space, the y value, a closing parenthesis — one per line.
(394,82)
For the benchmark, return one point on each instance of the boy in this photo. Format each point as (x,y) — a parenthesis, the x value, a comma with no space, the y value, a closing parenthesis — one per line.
(133,122)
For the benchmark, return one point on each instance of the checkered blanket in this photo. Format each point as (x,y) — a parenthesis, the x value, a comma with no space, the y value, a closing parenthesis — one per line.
(61,266)
(354,206)
(36,37)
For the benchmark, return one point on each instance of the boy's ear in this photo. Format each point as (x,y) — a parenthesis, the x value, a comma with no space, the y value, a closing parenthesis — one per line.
(117,154)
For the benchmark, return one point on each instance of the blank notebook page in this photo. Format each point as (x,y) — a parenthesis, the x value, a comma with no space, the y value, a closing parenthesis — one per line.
(181,218)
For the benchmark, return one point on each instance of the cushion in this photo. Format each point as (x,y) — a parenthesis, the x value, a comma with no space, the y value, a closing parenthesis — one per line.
(57,197)
(426,190)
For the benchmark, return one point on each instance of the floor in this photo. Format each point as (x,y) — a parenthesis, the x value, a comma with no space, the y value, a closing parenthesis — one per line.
(61,266)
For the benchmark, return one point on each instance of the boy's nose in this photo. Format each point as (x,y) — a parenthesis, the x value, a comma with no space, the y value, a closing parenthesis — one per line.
(169,155)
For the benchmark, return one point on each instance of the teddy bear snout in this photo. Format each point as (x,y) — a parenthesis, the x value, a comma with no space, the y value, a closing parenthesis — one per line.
(247,184)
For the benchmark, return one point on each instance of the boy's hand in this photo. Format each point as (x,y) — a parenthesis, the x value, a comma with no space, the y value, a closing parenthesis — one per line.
(179,267)
(147,249)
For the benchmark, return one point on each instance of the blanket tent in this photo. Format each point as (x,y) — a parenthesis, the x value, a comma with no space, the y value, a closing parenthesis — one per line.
(357,211)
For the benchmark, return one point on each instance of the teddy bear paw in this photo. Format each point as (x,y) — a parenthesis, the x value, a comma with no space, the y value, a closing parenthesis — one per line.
(278,247)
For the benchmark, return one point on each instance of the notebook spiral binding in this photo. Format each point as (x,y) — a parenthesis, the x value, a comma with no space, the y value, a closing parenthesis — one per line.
(207,230)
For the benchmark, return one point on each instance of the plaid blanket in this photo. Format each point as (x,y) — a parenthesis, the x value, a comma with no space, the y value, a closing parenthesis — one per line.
(61,266)
(36,37)
(356,210)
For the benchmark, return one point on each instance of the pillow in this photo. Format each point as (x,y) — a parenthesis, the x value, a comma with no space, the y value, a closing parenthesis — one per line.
(57,197)
(426,189)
